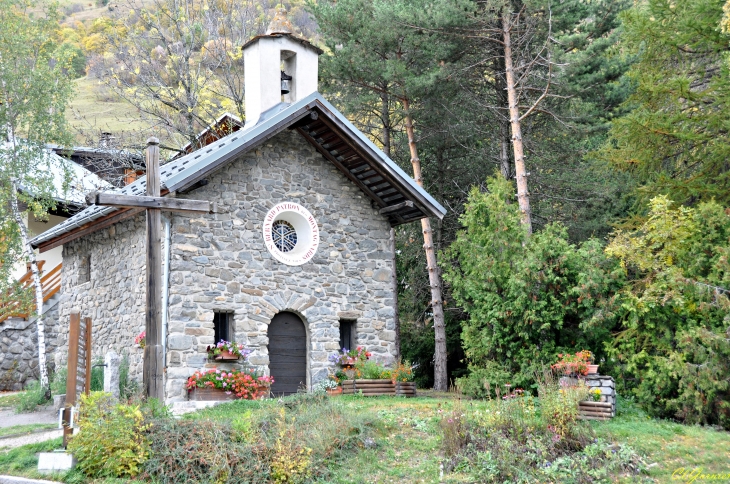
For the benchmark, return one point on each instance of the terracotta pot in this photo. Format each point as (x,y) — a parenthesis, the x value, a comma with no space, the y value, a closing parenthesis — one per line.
(263,391)
(334,391)
(592,369)
(226,356)
(349,370)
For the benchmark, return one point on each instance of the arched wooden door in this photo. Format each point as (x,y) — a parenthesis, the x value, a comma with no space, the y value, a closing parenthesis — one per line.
(287,353)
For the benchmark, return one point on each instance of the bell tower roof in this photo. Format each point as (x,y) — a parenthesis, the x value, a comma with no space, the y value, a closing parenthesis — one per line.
(280,24)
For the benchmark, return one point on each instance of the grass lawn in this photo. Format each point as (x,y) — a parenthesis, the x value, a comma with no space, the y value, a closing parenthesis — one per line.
(9,401)
(669,445)
(405,442)
(25,429)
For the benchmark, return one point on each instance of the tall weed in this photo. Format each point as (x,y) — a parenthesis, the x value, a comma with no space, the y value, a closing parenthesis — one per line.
(520,438)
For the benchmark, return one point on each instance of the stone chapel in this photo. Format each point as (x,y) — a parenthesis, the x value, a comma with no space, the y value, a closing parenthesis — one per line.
(296,261)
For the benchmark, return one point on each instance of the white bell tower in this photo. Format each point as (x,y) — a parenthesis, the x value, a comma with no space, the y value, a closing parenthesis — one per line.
(264,59)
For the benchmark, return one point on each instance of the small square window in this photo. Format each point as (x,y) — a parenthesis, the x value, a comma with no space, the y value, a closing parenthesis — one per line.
(223,326)
(348,337)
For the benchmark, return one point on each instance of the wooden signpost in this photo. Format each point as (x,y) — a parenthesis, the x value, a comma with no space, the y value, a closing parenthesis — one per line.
(79,350)
(153,204)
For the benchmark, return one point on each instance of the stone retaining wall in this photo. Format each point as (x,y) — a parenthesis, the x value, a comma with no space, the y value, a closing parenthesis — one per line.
(19,347)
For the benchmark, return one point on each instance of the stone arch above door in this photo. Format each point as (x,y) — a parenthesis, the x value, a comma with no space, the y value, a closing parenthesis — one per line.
(287,349)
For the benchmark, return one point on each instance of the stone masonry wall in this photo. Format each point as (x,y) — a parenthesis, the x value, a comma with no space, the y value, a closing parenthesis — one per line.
(114,297)
(219,262)
(19,347)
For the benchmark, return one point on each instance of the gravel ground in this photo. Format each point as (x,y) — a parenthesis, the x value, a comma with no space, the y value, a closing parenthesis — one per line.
(22,480)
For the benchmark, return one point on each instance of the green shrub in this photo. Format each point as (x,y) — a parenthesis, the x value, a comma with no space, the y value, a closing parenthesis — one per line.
(371,370)
(58,382)
(528,298)
(31,397)
(97,376)
(291,441)
(127,387)
(112,439)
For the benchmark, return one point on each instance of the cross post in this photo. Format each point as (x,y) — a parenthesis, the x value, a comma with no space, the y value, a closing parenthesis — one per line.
(153,203)
(153,368)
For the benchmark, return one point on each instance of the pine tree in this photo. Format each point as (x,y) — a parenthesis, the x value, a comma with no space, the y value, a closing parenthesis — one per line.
(373,51)
(674,140)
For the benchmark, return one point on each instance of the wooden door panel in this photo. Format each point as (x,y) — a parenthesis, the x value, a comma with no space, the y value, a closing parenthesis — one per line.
(287,353)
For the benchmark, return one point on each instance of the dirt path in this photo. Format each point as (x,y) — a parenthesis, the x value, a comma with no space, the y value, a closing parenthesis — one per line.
(9,443)
(8,418)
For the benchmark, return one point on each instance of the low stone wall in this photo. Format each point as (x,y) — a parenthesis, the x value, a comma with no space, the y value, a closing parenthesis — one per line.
(19,348)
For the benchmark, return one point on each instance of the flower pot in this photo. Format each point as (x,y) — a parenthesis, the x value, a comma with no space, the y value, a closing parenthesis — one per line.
(592,369)
(334,391)
(210,395)
(262,391)
(226,356)
(349,370)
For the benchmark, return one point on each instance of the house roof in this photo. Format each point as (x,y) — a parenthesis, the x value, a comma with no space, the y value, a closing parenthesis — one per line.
(391,190)
(224,125)
(81,180)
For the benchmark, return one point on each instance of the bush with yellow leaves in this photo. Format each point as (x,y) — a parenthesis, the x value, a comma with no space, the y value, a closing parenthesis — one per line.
(112,438)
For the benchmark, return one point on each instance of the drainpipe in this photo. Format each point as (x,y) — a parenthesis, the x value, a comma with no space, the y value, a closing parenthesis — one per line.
(165,289)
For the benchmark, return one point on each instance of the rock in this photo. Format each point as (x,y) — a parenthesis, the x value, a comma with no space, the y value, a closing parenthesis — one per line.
(111,373)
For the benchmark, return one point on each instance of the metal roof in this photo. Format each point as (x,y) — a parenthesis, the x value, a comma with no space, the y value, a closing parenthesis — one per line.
(395,193)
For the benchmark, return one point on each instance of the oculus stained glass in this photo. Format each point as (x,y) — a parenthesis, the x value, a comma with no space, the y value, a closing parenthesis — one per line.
(284,236)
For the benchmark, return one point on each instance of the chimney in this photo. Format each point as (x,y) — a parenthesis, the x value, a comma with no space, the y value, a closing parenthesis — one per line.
(269,59)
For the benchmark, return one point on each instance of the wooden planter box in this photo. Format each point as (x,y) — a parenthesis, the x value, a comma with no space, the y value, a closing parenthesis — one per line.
(210,395)
(595,410)
(405,389)
(369,388)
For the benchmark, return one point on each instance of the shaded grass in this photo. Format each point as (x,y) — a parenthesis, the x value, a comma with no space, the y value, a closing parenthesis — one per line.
(24,460)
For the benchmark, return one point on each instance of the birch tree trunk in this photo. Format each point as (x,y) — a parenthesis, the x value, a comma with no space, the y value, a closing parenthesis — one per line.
(440,382)
(36,277)
(523,196)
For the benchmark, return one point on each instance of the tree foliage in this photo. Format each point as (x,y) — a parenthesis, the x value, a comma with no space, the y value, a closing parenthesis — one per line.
(674,140)
(528,299)
(673,346)
(34,91)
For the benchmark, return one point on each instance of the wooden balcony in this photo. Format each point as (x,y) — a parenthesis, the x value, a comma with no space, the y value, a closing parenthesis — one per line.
(50,282)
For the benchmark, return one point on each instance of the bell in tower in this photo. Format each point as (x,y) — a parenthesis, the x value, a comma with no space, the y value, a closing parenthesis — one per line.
(267,84)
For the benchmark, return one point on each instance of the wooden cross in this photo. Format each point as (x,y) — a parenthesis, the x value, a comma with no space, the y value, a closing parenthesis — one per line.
(153,205)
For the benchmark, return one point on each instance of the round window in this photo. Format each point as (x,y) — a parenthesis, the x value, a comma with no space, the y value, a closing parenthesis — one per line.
(291,233)
(284,235)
